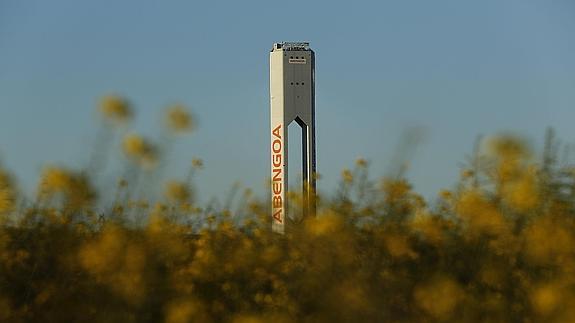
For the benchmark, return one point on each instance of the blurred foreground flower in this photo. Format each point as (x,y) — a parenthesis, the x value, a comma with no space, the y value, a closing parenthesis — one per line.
(7,193)
(177,191)
(361,162)
(439,297)
(115,109)
(73,187)
(508,147)
(347,176)
(179,120)
(197,163)
(141,151)
(500,250)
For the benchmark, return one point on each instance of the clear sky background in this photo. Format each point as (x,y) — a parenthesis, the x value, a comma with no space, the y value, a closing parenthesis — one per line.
(456,69)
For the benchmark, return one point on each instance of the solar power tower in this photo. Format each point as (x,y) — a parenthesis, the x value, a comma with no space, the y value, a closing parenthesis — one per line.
(292,98)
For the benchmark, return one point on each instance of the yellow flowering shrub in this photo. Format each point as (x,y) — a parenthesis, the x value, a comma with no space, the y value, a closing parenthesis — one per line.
(497,246)
(7,193)
(439,297)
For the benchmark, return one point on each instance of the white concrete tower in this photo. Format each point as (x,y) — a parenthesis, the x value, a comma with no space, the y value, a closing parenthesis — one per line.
(292,98)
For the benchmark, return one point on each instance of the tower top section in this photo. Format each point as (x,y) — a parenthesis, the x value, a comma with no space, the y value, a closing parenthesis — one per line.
(287,46)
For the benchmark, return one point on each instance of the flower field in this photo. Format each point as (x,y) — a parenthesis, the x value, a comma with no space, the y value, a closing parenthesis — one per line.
(499,246)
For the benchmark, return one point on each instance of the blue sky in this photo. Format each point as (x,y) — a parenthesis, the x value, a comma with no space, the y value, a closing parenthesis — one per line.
(456,69)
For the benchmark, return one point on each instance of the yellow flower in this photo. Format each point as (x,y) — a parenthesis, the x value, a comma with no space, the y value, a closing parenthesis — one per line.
(467,173)
(523,193)
(548,239)
(479,213)
(177,191)
(429,227)
(395,190)
(361,162)
(510,153)
(398,246)
(140,150)
(134,145)
(55,180)
(445,194)
(116,261)
(439,297)
(115,109)
(347,176)
(103,255)
(546,298)
(7,193)
(508,147)
(179,120)
(197,163)
(6,201)
(74,187)
(324,225)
